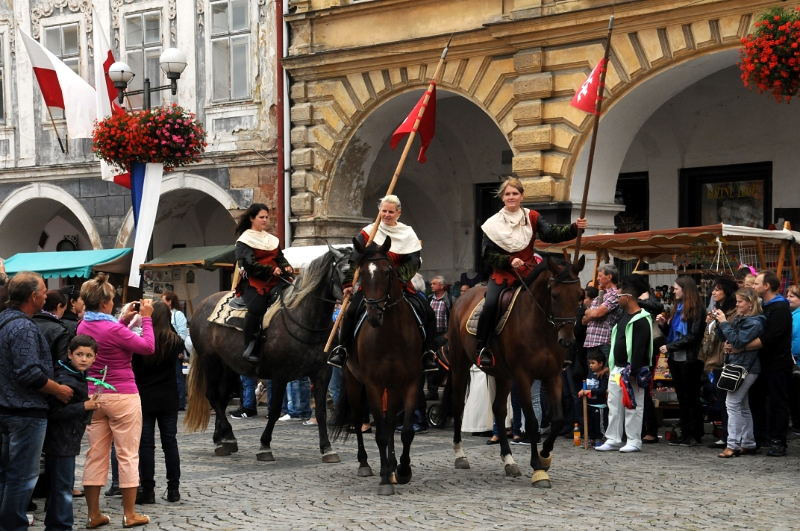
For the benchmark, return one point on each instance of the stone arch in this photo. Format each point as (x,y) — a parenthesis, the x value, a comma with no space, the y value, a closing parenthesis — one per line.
(176,181)
(327,113)
(41,200)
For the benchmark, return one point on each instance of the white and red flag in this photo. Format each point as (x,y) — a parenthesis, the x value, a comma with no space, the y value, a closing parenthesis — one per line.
(106,93)
(590,92)
(427,124)
(63,88)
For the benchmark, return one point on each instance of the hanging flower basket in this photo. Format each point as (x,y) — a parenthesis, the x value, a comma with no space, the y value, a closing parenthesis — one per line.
(166,134)
(770,56)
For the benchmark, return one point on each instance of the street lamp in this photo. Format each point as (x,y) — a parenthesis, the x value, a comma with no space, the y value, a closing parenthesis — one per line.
(172,62)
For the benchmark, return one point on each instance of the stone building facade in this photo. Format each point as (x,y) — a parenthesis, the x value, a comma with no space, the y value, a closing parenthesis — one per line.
(46,195)
(673,101)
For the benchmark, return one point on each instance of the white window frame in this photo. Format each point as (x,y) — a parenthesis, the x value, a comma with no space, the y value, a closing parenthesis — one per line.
(252,69)
(83,66)
(3,81)
(143,8)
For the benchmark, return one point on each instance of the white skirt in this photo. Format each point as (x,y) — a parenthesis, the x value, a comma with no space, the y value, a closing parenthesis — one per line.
(478,414)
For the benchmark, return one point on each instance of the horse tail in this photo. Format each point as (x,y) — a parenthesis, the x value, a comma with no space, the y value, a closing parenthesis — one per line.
(198,408)
(343,413)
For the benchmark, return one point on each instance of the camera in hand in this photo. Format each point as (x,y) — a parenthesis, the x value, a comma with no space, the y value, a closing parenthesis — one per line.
(136,306)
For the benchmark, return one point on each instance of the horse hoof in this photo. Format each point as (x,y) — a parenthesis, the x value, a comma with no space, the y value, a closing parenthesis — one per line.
(402,479)
(386,490)
(221,450)
(513,471)
(365,472)
(546,461)
(462,463)
(265,456)
(541,480)
(231,446)
(331,458)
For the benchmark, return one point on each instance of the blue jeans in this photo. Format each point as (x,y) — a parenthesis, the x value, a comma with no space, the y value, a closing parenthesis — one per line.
(335,387)
(23,439)
(181,384)
(59,503)
(248,392)
(300,398)
(168,429)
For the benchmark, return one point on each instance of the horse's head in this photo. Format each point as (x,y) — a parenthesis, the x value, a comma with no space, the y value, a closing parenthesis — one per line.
(377,275)
(338,266)
(565,296)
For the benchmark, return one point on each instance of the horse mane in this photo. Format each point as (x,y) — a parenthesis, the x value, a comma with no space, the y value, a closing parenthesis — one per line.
(310,280)
(542,267)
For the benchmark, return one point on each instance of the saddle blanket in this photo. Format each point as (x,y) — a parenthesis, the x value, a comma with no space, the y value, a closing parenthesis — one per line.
(225,315)
(472,322)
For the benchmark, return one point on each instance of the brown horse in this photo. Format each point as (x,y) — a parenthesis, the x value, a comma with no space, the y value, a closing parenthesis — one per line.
(290,348)
(388,361)
(530,347)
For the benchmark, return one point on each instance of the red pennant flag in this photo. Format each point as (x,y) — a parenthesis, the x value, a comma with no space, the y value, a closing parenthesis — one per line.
(427,124)
(586,97)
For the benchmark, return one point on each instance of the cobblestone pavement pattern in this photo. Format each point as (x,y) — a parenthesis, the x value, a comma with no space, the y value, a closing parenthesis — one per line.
(660,488)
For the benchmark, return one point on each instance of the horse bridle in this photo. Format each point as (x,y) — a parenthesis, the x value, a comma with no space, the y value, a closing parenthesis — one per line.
(387,301)
(557,322)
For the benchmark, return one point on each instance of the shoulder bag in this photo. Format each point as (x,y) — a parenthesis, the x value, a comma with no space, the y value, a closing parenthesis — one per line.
(733,375)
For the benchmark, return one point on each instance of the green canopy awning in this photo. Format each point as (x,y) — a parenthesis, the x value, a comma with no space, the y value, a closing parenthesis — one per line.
(71,263)
(210,257)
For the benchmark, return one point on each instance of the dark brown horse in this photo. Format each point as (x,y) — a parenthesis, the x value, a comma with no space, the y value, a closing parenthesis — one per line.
(388,361)
(532,346)
(290,348)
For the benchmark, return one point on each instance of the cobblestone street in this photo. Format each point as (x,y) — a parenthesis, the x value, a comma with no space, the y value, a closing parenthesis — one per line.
(661,487)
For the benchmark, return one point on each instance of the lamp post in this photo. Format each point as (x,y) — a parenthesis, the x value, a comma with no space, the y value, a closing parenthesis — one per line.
(172,62)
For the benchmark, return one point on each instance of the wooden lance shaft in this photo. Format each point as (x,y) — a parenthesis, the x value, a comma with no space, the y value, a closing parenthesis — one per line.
(597,107)
(392,184)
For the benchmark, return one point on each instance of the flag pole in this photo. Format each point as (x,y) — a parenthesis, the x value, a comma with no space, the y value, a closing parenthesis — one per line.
(55,129)
(598,106)
(392,184)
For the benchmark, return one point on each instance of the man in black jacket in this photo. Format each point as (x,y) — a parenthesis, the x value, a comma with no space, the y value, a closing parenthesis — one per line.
(26,371)
(775,353)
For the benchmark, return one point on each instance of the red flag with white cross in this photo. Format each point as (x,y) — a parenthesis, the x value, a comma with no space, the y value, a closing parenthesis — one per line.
(590,92)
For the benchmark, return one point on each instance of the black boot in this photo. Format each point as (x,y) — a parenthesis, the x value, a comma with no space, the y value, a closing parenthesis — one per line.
(145,497)
(429,362)
(338,357)
(485,357)
(252,326)
(173,495)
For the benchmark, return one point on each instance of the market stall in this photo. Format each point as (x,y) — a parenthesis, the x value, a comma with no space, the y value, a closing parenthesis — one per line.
(66,264)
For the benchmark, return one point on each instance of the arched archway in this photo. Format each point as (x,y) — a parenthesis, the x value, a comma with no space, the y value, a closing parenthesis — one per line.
(190,191)
(439,197)
(623,120)
(28,210)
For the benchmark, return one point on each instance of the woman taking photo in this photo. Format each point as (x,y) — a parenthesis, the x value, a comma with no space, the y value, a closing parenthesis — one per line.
(158,390)
(711,351)
(684,331)
(261,264)
(508,248)
(119,416)
(405,255)
(747,325)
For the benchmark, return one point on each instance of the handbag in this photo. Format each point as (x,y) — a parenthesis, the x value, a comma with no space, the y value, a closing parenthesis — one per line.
(733,375)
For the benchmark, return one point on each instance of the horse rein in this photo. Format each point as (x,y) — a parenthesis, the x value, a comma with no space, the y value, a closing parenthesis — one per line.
(556,322)
(387,302)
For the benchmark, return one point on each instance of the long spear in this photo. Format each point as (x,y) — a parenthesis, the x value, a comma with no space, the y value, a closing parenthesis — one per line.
(392,184)
(597,107)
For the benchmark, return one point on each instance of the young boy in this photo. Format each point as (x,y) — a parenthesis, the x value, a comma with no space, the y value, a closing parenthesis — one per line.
(595,392)
(66,424)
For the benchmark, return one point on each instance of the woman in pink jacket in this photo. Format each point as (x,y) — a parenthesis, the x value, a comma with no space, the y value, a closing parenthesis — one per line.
(119,416)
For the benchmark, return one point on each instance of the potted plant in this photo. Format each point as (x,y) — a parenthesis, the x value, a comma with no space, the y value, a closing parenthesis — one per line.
(770,56)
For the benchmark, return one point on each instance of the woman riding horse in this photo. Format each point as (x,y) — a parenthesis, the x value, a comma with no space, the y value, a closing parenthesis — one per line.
(405,255)
(508,239)
(261,261)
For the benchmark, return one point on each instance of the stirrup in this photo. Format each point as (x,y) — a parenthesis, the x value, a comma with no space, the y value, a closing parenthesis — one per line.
(248,352)
(485,352)
(429,361)
(338,357)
